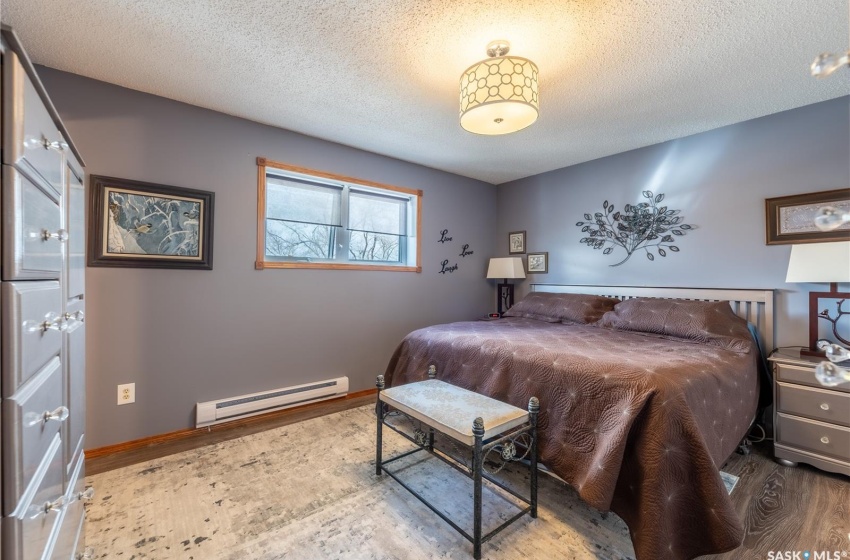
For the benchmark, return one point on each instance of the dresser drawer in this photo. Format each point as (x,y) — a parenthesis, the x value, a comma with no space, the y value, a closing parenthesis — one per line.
(31,141)
(32,229)
(75,224)
(31,419)
(31,321)
(27,532)
(820,404)
(818,437)
(74,362)
(803,376)
(70,527)
(71,539)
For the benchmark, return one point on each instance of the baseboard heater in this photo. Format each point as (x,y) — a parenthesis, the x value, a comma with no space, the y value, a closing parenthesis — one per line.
(233,408)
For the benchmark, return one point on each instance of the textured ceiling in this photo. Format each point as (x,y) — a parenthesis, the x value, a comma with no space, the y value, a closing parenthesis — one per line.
(382,75)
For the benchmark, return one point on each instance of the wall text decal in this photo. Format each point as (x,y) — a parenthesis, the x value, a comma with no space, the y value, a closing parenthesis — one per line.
(465,251)
(444,236)
(644,226)
(445,268)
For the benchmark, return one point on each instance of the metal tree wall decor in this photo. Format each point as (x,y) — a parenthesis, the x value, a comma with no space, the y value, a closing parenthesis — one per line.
(643,227)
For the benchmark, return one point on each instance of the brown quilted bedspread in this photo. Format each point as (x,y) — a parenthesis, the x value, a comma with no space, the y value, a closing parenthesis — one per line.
(638,424)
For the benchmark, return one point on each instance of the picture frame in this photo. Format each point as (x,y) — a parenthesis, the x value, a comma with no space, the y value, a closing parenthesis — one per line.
(516,243)
(538,263)
(791,219)
(134,224)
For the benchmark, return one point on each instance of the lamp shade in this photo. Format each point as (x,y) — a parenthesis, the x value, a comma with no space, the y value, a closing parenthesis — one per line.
(499,95)
(506,267)
(819,262)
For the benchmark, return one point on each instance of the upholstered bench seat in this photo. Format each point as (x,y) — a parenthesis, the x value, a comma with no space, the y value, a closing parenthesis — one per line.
(448,409)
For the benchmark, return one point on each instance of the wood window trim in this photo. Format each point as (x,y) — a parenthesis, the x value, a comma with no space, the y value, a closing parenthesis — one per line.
(261,263)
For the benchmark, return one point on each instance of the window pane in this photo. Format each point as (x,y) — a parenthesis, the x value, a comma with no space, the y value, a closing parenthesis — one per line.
(376,213)
(322,220)
(299,240)
(302,201)
(369,246)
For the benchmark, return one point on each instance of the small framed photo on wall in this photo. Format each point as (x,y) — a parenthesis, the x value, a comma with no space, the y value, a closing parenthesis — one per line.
(516,242)
(538,263)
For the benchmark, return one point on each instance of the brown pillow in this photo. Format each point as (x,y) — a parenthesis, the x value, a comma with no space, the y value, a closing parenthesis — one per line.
(707,322)
(558,308)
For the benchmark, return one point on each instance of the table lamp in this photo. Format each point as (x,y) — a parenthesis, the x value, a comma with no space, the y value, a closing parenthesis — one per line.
(507,268)
(821,262)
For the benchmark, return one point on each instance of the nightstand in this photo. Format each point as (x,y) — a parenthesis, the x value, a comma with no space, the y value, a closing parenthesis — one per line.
(811,422)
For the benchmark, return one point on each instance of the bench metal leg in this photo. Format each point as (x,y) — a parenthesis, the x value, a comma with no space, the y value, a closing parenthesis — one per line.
(477,468)
(379,414)
(432,374)
(533,410)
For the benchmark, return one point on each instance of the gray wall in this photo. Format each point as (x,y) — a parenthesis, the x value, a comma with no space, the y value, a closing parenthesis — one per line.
(719,179)
(188,336)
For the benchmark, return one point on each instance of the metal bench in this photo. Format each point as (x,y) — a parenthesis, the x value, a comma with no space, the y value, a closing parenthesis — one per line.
(447,409)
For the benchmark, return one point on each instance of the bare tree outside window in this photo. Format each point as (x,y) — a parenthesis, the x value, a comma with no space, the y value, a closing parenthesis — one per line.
(293,239)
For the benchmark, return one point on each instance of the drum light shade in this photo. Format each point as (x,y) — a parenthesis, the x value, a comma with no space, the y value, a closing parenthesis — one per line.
(499,95)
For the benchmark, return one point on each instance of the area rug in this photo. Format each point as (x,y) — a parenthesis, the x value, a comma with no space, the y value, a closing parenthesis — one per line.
(309,491)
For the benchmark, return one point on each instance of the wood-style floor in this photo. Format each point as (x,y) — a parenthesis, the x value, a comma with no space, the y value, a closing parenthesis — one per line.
(788,508)
(782,508)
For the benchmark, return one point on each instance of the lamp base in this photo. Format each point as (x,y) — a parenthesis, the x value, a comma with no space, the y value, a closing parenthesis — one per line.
(504,297)
(815,316)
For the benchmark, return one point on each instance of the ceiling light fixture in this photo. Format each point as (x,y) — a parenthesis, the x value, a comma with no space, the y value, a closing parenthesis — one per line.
(498,95)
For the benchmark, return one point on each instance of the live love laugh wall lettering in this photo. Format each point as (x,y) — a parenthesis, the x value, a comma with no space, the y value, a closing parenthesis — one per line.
(644,226)
(445,268)
(464,252)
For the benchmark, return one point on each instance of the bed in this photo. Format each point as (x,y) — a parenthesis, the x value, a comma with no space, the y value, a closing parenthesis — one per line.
(642,400)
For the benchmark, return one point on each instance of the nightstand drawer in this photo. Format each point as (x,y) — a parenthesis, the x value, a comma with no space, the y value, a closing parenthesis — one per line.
(811,435)
(804,376)
(820,404)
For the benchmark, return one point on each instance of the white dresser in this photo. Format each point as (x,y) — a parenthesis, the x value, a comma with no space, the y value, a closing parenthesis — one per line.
(42,322)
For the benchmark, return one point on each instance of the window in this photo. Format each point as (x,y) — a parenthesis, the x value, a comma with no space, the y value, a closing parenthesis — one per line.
(310,219)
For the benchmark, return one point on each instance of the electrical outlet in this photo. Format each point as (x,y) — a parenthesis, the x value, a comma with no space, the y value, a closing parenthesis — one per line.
(127,393)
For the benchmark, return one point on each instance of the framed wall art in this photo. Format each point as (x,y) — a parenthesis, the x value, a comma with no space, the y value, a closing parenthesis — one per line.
(791,219)
(516,242)
(143,225)
(538,263)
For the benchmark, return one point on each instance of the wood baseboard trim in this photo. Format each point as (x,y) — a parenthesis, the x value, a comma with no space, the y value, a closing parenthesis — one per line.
(238,428)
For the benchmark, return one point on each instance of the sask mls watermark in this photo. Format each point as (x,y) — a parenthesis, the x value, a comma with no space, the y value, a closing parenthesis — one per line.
(808,555)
